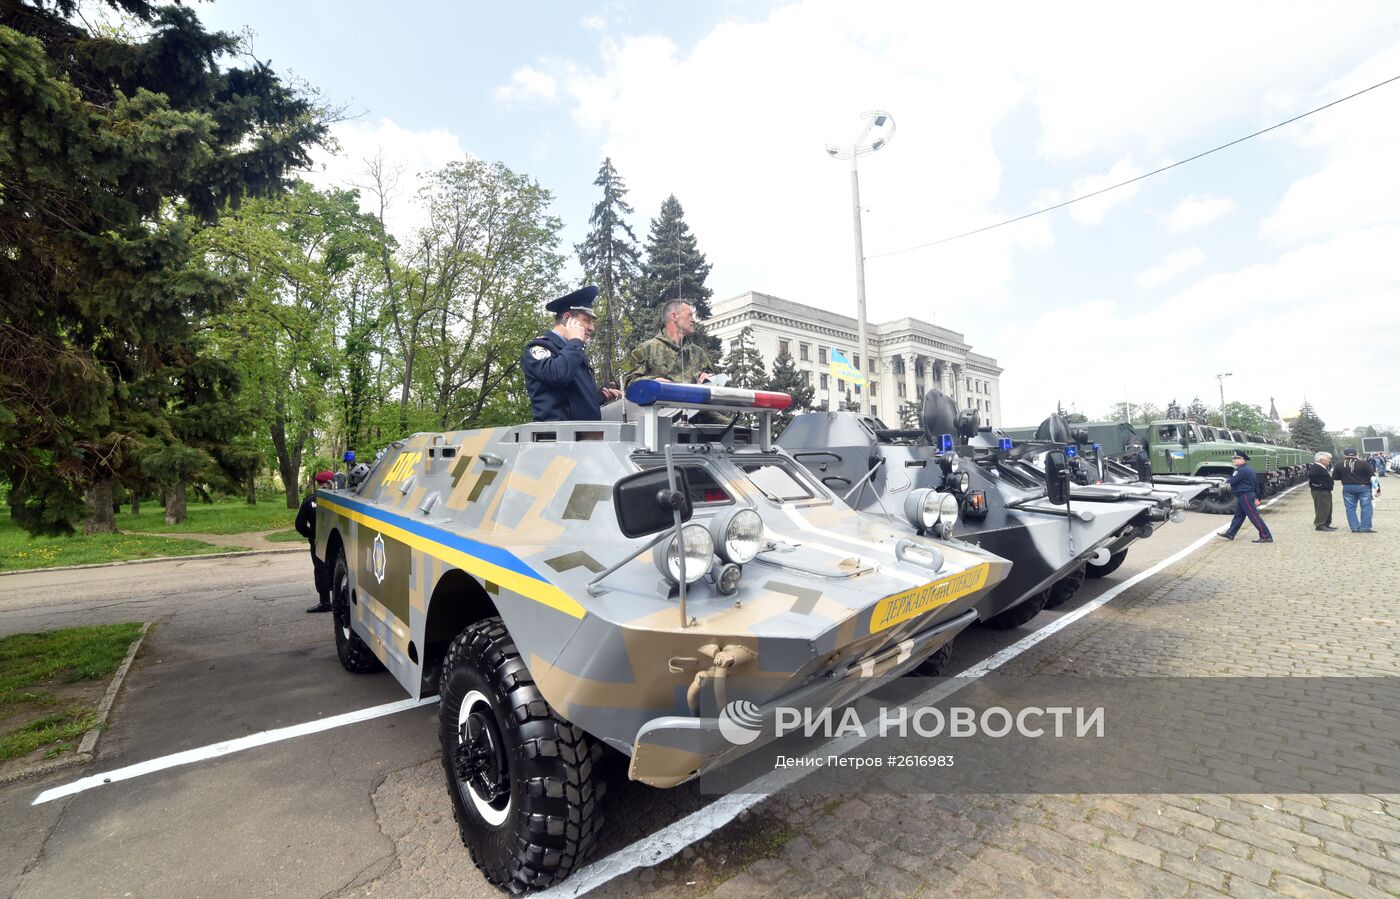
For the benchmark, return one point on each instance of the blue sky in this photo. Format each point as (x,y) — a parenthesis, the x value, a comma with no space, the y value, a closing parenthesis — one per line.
(1273,260)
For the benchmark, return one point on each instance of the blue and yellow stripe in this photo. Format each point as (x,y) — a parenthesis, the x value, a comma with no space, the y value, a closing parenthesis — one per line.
(491,563)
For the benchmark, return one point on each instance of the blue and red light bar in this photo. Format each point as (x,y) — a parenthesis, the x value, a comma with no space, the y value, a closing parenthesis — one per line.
(649,393)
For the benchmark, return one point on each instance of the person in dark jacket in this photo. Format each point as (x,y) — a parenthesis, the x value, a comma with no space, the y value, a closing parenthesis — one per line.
(1244,484)
(1355,475)
(558,376)
(1320,482)
(306,526)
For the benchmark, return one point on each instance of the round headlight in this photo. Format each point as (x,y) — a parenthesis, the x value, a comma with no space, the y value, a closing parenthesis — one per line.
(954,463)
(947,514)
(737,535)
(964,481)
(699,552)
(921,508)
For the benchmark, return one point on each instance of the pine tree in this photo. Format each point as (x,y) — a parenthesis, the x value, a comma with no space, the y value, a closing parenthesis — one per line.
(910,415)
(744,363)
(787,379)
(610,259)
(1174,410)
(1309,432)
(1198,412)
(849,404)
(116,151)
(674,268)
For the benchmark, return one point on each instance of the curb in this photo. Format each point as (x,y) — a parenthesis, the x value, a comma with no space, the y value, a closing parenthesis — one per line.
(87,749)
(232,555)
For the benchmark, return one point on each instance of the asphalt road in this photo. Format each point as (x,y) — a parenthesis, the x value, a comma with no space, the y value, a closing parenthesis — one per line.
(359,809)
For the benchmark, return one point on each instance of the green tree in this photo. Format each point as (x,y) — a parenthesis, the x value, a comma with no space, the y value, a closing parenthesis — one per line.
(114,150)
(1246,417)
(744,363)
(674,268)
(489,242)
(787,379)
(1198,412)
(298,255)
(910,415)
(1174,411)
(1135,413)
(1309,432)
(849,404)
(610,259)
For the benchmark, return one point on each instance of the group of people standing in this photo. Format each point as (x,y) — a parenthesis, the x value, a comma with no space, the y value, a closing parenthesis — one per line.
(560,379)
(1360,482)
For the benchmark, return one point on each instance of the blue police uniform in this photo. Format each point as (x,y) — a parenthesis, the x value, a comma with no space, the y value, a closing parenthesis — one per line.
(1244,484)
(560,380)
(557,373)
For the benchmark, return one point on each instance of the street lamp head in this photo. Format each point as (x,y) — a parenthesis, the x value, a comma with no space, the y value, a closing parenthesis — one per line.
(877,129)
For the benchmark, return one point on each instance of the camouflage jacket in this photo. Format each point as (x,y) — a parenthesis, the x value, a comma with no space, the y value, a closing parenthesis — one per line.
(660,358)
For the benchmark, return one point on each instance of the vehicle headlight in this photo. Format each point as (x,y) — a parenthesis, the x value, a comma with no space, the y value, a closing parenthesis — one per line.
(964,480)
(737,535)
(947,515)
(921,508)
(699,551)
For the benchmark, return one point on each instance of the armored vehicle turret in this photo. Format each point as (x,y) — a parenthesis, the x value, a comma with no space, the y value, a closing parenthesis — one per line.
(637,584)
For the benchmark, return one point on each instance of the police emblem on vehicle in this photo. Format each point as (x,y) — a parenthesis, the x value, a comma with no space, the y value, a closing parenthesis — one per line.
(377,558)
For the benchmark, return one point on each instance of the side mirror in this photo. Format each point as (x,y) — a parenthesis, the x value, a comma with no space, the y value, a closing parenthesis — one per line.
(1056,485)
(1185,441)
(645,502)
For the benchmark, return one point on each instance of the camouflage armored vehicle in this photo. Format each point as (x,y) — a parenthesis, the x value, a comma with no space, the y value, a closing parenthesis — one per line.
(569,586)
(1003,506)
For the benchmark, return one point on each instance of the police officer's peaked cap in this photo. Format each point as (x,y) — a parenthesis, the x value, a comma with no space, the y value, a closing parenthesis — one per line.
(580,300)
(1349,451)
(1241,454)
(325,477)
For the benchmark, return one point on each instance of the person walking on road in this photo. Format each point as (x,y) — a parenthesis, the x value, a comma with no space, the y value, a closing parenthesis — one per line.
(1355,475)
(1244,484)
(1321,482)
(306,526)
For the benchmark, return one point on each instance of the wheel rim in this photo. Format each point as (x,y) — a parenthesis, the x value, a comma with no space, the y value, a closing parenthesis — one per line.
(340,604)
(483,772)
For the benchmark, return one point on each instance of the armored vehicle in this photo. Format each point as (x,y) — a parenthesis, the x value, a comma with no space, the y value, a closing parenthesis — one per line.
(1003,505)
(633,584)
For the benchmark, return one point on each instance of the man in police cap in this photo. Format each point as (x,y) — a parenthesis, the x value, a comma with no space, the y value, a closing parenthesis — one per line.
(557,374)
(1244,484)
(306,526)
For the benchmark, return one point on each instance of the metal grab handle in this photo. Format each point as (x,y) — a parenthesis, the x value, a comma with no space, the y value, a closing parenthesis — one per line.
(935,558)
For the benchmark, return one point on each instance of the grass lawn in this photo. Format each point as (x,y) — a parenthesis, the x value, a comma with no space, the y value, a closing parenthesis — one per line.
(51,683)
(225,517)
(19,551)
(285,537)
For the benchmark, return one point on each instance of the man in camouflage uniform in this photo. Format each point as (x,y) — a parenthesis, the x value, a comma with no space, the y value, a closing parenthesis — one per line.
(673,354)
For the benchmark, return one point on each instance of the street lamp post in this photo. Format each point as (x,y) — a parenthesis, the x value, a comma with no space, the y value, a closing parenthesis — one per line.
(1224,420)
(877,130)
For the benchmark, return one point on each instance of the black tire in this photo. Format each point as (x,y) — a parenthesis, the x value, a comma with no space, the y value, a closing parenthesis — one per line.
(1211,504)
(936,664)
(1063,590)
(525,792)
(1020,613)
(355,655)
(1108,567)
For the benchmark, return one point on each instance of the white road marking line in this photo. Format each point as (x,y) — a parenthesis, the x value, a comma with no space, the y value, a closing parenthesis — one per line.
(228,747)
(670,840)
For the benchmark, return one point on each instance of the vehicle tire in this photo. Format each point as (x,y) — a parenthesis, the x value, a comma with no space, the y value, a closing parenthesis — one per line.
(355,655)
(1063,590)
(524,787)
(1107,568)
(1019,614)
(1213,505)
(936,664)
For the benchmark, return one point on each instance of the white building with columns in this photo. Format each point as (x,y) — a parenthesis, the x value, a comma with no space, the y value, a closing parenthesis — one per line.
(908,355)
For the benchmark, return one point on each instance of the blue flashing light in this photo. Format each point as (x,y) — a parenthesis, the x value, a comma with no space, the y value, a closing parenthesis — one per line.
(945,443)
(1004,444)
(1096,447)
(349,456)
(646,393)
(1071,451)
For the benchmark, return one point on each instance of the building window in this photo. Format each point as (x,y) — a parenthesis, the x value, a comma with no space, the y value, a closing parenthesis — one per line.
(804,351)
(899,365)
(783,349)
(989,410)
(824,380)
(806,377)
(873,363)
(733,346)
(969,385)
(857,390)
(873,413)
(899,388)
(840,383)
(855,361)
(873,385)
(821,356)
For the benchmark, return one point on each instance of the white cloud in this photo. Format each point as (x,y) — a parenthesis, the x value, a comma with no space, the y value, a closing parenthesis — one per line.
(1198,210)
(1092,211)
(407,155)
(526,85)
(1169,268)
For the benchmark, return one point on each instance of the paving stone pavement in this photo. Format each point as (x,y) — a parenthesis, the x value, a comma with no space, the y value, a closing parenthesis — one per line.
(1312,604)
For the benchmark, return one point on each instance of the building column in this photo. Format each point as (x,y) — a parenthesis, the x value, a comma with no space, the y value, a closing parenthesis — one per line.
(911,389)
(959,394)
